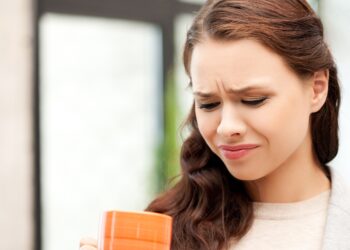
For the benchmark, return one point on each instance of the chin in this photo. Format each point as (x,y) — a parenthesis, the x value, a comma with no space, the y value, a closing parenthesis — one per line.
(244,175)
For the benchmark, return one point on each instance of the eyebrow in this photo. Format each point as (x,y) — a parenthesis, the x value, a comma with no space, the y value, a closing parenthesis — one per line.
(230,91)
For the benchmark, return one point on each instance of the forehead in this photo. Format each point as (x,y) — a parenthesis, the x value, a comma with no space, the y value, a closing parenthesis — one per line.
(236,63)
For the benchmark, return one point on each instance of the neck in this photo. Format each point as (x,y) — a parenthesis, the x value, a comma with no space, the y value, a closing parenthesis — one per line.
(299,178)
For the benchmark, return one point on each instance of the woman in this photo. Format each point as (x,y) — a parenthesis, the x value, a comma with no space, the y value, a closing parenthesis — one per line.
(264,126)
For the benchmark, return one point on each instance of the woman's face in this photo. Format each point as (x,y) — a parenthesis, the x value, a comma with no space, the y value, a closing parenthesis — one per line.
(251,109)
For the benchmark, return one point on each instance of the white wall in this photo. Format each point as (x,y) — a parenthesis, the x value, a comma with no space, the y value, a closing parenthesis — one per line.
(335,15)
(16,148)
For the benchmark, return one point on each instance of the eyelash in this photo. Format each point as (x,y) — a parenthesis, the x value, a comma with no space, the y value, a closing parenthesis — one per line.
(255,102)
(209,106)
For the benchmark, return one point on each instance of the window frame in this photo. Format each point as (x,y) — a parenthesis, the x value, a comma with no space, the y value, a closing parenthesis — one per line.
(162,13)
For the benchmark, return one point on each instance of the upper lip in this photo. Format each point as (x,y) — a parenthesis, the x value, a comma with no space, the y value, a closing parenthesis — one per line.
(238,147)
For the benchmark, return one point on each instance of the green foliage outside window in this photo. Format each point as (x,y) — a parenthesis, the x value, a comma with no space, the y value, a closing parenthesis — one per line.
(168,152)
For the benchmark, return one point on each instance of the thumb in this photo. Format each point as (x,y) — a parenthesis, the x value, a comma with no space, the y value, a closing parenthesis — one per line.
(88,241)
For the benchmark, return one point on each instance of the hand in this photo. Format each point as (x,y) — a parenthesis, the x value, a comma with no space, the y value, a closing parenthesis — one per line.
(88,244)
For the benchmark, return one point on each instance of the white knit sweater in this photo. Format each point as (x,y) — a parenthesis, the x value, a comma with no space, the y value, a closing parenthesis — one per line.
(287,226)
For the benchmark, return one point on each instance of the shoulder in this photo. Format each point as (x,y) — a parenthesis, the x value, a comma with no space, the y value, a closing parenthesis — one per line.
(337,230)
(340,192)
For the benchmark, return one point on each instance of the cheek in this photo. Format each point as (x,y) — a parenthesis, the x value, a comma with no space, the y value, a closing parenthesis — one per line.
(207,126)
(283,121)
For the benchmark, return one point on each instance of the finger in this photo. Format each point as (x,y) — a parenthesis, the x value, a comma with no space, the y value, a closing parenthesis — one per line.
(88,241)
(88,248)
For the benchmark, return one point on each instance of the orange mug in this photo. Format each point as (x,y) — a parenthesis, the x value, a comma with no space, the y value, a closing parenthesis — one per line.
(135,231)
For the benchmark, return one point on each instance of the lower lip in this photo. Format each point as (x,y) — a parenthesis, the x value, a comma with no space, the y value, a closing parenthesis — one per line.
(237,154)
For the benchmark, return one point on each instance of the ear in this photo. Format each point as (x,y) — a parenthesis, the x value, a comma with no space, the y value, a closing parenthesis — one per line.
(319,89)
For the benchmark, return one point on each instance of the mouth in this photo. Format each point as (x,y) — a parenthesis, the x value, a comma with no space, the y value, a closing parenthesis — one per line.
(236,152)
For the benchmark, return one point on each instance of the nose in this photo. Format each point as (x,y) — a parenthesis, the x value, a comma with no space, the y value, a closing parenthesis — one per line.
(231,124)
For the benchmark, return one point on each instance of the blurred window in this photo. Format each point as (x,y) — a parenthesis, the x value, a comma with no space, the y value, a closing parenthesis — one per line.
(104,84)
(184,96)
(100,93)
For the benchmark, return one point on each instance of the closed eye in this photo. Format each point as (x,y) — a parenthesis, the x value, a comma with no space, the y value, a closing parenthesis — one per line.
(254,102)
(209,106)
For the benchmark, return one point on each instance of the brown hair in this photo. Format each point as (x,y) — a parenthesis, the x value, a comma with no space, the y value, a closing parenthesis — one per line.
(209,206)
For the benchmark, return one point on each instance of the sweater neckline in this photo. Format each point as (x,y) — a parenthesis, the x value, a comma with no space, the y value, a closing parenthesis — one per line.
(280,211)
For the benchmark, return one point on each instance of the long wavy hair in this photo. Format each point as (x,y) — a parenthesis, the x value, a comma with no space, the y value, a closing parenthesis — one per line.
(209,206)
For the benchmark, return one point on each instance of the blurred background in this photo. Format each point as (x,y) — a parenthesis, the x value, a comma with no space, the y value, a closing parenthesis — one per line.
(92,97)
